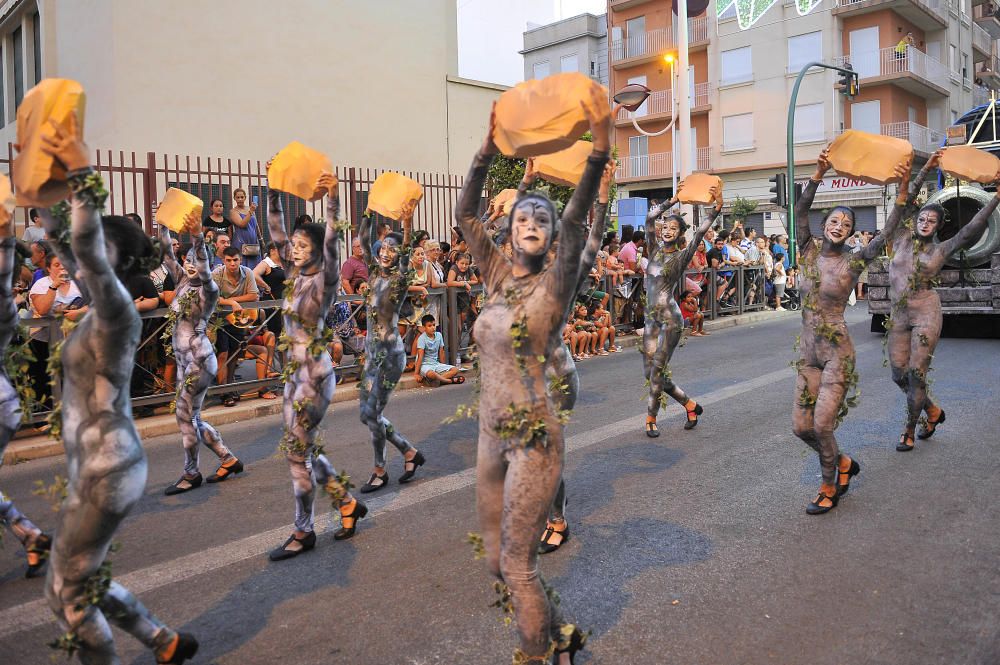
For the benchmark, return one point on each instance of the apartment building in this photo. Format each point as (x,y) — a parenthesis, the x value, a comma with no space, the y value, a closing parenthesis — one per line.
(575,44)
(741,83)
(370,83)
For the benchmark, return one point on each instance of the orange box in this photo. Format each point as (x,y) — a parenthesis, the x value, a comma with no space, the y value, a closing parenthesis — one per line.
(543,116)
(696,188)
(295,170)
(175,209)
(390,193)
(869,157)
(971,164)
(505,199)
(566,166)
(39,179)
(7,201)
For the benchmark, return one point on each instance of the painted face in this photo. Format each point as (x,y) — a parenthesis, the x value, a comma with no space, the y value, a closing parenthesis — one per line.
(191,269)
(531,229)
(838,227)
(302,250)
(217,208)
(419,256)
(927,223)
(388,253)
(671,231)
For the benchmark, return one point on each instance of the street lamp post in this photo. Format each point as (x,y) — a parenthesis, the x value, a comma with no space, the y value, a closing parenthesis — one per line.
(633,95)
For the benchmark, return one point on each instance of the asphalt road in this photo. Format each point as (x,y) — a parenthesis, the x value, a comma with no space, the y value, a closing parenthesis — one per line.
(690,549)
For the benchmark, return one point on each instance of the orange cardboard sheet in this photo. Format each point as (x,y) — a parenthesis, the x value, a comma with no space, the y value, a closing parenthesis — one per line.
(7,201)
(505,200)
(390,193)
(295,170)
(869,157)
(40,181)
(176,209)
(971,164)
(543,116)
(696,188)
(566,166)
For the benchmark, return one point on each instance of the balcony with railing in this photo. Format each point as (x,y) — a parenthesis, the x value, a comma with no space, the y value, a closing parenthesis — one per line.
(923,139)
(987,17)
(642,46)
(625,4)
(659,165)
(697,33)
(989,71)
(913,70)
(980,95)
(981,44)
(925,14)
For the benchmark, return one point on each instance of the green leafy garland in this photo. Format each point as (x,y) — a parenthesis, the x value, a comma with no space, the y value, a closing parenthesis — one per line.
(16,363)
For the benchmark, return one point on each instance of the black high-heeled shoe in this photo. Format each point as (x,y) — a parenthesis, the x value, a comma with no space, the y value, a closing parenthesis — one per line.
(349,522)
(571,640)
(418,460)
(651,430)
(697,411)
(223,472)
(850,473)
(180,488)
(817,507)
(547,545)
(927,431)
(185,647)
(905,442)
(375,483)
(307,543)
(38,555)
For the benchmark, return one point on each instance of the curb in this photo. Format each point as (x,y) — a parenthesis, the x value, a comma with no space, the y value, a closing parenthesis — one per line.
(41,446)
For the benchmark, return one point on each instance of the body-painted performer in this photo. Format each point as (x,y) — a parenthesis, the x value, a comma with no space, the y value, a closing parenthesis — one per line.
(36,544)
(385,355)
(313,258)
(826,369)
(664,322)
(520,450)
(915,318)
(194,302)
(563,380)
(105,459)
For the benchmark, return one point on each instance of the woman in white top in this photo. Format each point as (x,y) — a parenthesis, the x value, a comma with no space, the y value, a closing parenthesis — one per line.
(424,277)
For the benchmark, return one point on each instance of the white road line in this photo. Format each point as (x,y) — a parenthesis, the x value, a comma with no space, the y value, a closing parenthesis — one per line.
(37,613)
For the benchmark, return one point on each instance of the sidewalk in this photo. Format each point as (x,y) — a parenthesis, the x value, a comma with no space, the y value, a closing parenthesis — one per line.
(41,446)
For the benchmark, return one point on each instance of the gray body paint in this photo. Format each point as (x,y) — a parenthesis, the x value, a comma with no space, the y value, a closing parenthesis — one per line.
(518,470)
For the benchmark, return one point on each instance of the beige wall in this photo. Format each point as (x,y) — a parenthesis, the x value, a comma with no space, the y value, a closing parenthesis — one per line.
(469,105)
(365,82)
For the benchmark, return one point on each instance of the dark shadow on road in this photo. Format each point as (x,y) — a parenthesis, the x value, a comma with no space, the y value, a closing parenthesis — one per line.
(621,550)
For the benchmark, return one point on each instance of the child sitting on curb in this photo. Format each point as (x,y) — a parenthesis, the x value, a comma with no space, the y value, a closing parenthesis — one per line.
(692,315)
(430,366)
(602,319)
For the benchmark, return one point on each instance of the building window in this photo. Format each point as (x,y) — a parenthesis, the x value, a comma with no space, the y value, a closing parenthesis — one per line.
(736,66)
(36,39)
(638,156)
(635,36)
(809,123)
(737,131)
(540,70)
(867,116)
(18,45)
(803,49)
(568,63)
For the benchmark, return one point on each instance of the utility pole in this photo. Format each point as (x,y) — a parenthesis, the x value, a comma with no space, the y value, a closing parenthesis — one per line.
(681,93)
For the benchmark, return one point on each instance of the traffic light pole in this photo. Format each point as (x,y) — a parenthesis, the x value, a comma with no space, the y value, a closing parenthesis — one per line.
(790,139)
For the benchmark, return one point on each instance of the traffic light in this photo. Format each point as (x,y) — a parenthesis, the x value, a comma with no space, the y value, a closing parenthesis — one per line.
(779,189)
(848,84)
(798,193)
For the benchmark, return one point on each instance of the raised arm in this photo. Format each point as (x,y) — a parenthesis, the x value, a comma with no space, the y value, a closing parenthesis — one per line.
(572,239)
(276,225)
(331,241)
(900,208)
(169,260)
(466,211)
(804,204)
(8,264)
(971,232)
(913,187)
(703,227)
(599,227)
(651,217)
(404,252)
(201,260)
(530,175)
(367,234)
